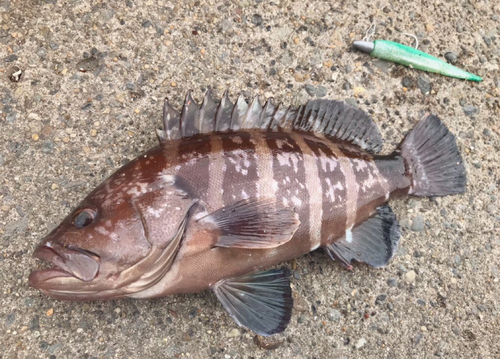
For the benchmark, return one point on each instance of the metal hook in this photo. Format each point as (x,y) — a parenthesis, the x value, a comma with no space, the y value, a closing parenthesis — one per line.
(416,39)
(370,32)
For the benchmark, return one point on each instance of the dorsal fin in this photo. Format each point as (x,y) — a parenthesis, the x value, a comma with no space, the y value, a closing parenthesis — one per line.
(223,113)
(171,123)
(332,119)
(189,115)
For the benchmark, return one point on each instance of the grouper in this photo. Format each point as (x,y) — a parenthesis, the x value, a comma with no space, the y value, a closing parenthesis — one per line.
(232,191)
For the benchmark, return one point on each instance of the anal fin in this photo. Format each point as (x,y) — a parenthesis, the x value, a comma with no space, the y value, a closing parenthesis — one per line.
(253,224)
(374,241)
(260,301)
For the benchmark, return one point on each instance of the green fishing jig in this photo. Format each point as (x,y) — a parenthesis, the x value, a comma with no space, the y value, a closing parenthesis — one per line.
(408,56)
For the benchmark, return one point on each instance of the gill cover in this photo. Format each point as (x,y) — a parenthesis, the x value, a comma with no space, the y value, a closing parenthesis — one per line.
(164,232)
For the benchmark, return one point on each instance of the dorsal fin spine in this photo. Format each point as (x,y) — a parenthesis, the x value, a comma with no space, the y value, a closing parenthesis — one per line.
(328,118)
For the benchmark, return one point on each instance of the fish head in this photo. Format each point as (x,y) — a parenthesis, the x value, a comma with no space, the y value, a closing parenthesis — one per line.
(109,247)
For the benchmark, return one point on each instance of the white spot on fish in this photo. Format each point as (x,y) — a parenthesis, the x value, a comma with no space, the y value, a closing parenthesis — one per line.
(288,160)
(330,192)
(275,186)
(282,142)
(155,212)
(200,215)
(328,164)
(102,230)
(244,195)
(237,139)
(240,160)
(348,235)
(359,165)
(296,201)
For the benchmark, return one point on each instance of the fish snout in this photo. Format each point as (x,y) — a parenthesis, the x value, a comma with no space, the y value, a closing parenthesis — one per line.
(66,262)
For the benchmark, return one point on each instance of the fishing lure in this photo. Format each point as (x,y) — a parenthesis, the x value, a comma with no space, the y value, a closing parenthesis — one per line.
(408,56)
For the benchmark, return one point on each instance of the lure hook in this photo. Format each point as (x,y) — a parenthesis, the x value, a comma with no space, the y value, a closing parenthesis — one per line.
(412,35)
(370,32)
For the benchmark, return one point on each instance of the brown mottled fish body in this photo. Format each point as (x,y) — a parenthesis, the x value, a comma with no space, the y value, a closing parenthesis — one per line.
(332,186)
(234,189)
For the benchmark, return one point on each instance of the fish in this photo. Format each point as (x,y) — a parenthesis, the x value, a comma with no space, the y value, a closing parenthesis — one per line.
(235,189)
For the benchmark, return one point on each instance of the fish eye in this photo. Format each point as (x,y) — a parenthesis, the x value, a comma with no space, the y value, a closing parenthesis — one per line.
(84,217)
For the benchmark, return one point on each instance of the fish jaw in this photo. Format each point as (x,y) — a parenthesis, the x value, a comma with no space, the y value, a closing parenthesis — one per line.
(68,265)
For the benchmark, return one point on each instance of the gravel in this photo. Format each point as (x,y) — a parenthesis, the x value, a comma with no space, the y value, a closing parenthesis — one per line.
(424,84)
(417,224)
(63,131)
(451,57)
(471,110)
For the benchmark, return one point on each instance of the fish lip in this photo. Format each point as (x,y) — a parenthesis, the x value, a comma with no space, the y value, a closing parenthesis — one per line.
(66,262)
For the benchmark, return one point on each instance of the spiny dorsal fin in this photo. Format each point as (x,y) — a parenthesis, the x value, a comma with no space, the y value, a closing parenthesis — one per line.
(333,119)
(189,115)
(206,115)
(171,122)
(223,113)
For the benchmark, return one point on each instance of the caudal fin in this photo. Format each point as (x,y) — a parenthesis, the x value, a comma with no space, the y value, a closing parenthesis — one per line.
(433,158)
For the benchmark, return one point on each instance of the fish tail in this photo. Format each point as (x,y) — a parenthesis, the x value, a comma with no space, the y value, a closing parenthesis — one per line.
(433,160)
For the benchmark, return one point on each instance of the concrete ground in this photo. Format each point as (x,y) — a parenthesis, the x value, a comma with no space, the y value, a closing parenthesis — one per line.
(64,130)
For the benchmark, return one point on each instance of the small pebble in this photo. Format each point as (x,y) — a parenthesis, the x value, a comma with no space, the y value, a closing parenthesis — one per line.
(334,314)
(88,65)
(233,333)
(418,224)
(424,84)
(11,58)
(451,57)
(410,276)
(35,137)
(14,73)
(268,343)
(392,282)
(361,343)
(471,110)
(257,19)
(310,89)
(358,91)
(407,82)
(50,312)
(54,186)
(380,299)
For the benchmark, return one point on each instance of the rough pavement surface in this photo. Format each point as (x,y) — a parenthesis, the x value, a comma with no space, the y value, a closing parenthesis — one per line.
(89,97)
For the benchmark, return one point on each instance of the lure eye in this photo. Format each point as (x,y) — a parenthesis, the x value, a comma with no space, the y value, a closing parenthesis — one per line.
(84,217)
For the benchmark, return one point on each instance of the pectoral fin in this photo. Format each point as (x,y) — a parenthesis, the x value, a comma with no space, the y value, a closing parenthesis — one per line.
(261,301)
(374,241)
(253,224)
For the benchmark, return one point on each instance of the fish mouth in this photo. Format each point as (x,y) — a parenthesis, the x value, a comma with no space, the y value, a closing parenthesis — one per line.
(66,262)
